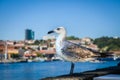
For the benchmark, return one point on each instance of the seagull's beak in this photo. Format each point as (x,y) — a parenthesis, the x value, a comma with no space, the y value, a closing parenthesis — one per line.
(50,32)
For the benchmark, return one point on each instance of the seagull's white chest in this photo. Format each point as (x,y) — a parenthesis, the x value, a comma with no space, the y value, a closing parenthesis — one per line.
(59,46)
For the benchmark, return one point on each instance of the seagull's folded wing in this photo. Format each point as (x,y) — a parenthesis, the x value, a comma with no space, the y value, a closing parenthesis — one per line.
(77,51)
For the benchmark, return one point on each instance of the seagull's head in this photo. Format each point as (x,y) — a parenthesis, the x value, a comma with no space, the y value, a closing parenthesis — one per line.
(59,30)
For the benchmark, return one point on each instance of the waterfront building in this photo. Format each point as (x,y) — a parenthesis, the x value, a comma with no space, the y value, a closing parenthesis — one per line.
(29,34)
(86,40)
(21,52)
(48,37)
(10,47)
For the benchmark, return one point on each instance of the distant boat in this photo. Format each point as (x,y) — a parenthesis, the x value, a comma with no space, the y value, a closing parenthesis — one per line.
(29,60)
(115,57)
(42,59)
(39,59)
(56,58)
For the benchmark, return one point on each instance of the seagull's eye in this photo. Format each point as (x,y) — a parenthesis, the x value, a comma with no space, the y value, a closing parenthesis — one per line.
(58,28)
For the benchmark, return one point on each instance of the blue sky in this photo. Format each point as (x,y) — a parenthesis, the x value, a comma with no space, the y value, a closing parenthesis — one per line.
(81,18)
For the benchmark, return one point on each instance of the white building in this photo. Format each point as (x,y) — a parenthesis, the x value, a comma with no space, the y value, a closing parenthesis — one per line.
(48,37)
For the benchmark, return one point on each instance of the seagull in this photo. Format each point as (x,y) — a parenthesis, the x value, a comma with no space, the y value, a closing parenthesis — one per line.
(69,51)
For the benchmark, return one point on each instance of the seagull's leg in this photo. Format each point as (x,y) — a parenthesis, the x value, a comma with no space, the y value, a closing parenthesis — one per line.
(72,68)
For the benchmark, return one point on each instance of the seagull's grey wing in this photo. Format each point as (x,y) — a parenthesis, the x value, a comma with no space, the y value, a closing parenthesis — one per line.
(67,44)
(76,50)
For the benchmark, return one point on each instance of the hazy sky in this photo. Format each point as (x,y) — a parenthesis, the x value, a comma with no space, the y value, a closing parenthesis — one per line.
(81,18)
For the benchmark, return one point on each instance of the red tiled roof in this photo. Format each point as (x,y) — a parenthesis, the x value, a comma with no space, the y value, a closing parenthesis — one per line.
(47,51)
(28,55)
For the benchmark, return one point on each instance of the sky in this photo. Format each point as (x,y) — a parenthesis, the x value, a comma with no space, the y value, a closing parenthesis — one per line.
(81,18)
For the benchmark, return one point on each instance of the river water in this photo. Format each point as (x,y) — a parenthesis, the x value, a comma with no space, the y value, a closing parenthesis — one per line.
(38,70)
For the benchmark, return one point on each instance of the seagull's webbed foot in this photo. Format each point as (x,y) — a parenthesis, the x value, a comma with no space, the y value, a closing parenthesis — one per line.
(72,68)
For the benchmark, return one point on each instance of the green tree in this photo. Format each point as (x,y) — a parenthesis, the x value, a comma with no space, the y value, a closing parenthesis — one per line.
(15,56)
(108,43)
(37,42)
(72,38)
(42,42)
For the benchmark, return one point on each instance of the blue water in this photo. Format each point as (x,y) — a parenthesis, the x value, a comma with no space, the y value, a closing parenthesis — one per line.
(38,70)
